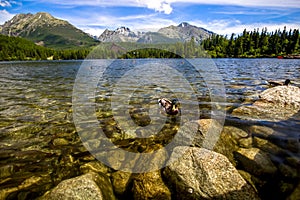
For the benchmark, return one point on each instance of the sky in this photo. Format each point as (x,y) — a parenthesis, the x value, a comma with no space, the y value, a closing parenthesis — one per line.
(220,16)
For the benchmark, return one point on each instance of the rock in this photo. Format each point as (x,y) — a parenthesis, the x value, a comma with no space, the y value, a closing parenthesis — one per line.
(120,159)
(153,159)
(140,116)
(262,131)
(30,186)
(121,181)
(188,134)
(60,142)
(288,171)
(282,95)
(255,161)
(87,186)
(275,104)
(6,170)
(94,166)
(203,132)
(293,161)
(248,178)
(204,174)
(210,129)
(267,146)
(200,133)
(230,140)
(116,158)
(150,186)
(295,194)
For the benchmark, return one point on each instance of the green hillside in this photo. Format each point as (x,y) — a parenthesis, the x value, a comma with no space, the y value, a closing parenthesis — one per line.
(15,48)
(62,36)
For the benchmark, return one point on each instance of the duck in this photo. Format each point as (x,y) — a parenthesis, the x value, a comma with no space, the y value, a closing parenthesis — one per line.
(277,83)
(171,107)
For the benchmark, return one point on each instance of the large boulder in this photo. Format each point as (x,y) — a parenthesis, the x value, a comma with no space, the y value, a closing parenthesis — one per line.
(204,174)
(87,186)
(274,104)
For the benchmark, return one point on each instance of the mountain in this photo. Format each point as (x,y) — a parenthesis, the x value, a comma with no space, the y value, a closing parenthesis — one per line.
(45,30)
(171,34)
(122,34)
(185,32)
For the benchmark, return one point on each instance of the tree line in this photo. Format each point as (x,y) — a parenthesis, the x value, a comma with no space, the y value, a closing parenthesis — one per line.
(249,44)
(254,44)
(15,48)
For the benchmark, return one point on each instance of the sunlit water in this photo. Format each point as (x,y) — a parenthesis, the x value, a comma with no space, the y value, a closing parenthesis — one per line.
(36,105)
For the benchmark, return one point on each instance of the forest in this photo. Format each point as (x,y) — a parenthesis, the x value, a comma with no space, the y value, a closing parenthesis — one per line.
(254,44)
(15,48)
(249,44)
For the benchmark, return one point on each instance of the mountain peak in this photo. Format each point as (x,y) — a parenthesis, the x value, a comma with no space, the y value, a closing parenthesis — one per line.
(185,32)
(43,28)
(44,14)
(121,34)
(184,24)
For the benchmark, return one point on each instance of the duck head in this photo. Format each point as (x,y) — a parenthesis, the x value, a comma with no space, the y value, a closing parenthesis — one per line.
(287,82)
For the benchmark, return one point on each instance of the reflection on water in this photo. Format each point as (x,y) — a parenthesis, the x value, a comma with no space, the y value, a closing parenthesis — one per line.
(38,137)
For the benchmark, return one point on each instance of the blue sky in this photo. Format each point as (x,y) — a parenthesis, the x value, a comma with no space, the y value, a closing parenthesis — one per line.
(220,16)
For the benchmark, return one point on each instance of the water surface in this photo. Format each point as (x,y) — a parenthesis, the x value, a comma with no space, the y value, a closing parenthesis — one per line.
(38,136)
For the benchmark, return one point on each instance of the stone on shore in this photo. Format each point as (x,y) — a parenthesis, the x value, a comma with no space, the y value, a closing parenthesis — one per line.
(204,174)
(87,186)
(274,104)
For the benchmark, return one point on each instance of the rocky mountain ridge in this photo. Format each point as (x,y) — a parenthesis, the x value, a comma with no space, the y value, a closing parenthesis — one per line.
(181,33)
(121,34)
(46,30)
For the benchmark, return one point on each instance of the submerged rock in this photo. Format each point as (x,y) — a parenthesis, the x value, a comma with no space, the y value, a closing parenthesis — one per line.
(29,188)
(121,181)
(150,186)
(295,194)
(94,166)
(87,186)
(230,140)
(274,104)
(255,161)
(201,174)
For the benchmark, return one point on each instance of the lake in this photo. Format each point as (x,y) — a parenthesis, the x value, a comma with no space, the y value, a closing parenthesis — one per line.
(39,105)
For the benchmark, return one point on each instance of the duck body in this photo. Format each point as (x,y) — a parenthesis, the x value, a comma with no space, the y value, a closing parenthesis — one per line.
(278,83)
(171,107)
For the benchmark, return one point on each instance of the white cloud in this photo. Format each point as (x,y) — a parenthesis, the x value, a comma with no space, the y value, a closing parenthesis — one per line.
(92,30)
(5,16)
(100,22)
(165,6)
(95,22)
(157,5)
(5,3)
(244,3)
